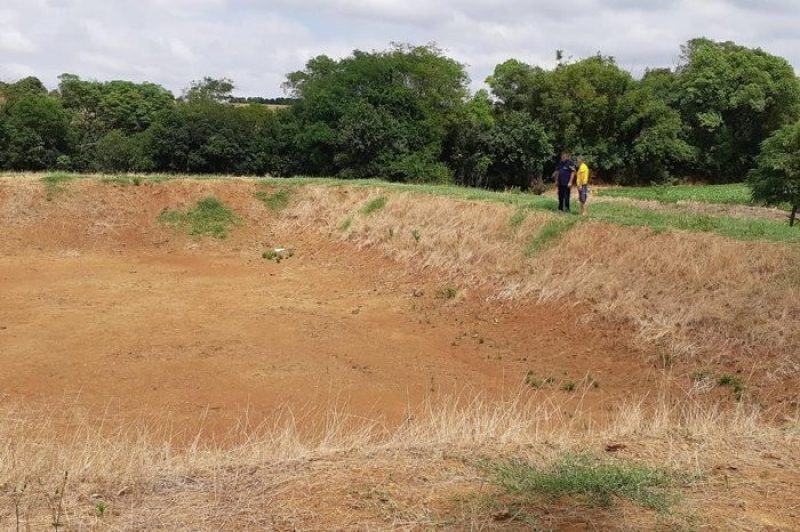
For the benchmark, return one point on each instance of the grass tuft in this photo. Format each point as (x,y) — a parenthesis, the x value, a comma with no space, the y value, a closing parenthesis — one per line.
(447,292)
(549,233)
(275,201)
(346,223)
(374,205)
(593,481)
(517,218)
(209,217)
(735,383)
(55,182)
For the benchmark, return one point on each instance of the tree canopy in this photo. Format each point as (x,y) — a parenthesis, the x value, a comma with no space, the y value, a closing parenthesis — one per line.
(406,114)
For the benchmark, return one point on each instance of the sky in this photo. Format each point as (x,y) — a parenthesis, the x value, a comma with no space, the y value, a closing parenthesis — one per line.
(256,43)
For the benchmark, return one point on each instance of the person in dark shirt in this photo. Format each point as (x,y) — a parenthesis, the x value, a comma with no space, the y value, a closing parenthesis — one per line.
(564,177)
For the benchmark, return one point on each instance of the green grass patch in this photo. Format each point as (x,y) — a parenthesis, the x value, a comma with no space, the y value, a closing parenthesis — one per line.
(517,218)
(549,234)
(735,228)
(275,201)
(346,223)
(589,480)
(58,178)
(733,194)
(133,180)
(208,217)
(56,182)
(374,205)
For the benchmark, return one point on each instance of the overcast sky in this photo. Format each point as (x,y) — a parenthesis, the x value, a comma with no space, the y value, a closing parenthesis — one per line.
(173,42)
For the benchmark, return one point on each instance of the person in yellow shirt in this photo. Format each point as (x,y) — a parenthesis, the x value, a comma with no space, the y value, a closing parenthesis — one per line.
(582,182)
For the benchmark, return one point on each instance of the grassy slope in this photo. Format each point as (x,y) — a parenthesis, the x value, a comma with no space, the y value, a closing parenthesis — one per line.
(626,215)
(733,194)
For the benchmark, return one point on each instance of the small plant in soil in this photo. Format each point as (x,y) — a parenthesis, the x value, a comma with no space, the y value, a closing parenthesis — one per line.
(734,383)
(447,292)
(534,382)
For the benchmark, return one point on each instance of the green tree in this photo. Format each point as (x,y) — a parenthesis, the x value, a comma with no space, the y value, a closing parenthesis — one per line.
(203,136)
(34,132)
(100,108)
(384,113)
(652,134)
(733,98)
(210,89)
(118,152)
(578,103)
(775,178)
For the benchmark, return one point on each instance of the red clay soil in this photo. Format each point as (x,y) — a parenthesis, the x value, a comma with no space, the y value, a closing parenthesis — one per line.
(149,324)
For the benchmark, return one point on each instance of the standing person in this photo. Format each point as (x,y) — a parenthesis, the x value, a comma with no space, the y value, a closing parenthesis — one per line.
(582,182)
(565,176)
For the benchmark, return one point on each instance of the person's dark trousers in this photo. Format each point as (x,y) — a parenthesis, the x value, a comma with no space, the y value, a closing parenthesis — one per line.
(563,198)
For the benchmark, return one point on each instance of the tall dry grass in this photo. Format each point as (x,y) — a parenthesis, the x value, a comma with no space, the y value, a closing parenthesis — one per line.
(133,478)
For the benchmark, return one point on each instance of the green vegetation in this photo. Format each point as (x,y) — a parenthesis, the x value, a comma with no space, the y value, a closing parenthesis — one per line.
(406,114)
(209,217)
(775,179)
(724,380)
(134,180)
(517,218)
(549,233)
(277,254)
(447,292)
(275,201)
(55,183)
(735,383)
(729,194)
(374,205)
(569,386)
(590,480)
(58,178)
(627,215)
(346,223)
(534,382)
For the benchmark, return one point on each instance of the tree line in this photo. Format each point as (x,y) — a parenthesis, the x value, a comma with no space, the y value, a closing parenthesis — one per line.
(407,114)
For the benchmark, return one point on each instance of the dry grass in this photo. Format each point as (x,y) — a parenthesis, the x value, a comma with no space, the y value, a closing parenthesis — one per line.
(686,293)
(422,473)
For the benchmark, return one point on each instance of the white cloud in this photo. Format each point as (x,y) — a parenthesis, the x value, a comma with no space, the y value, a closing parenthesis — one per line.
(12,41)
(256,43)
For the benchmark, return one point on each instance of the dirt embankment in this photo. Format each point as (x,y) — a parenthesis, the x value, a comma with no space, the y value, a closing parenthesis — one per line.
(103,304)
(206,387)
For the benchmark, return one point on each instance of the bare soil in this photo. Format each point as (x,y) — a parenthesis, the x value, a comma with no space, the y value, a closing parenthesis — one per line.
(200,336)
